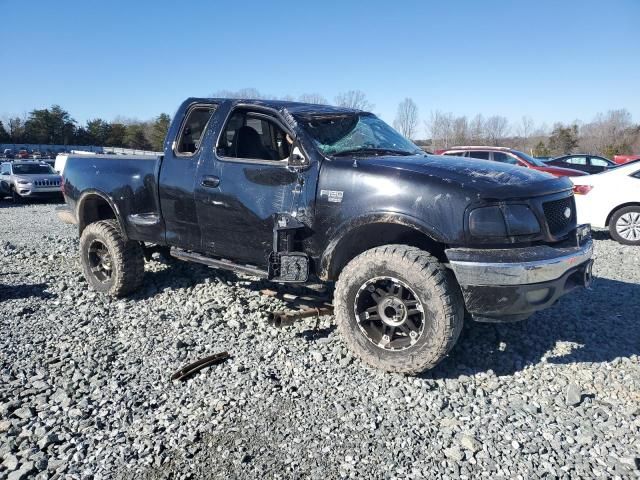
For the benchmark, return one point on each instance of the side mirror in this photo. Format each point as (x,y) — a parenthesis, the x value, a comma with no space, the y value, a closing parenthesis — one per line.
(297,158)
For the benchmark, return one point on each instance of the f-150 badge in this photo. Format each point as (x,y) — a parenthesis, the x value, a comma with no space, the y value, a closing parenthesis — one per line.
(333,196)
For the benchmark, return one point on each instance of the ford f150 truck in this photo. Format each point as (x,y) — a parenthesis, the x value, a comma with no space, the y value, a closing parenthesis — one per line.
(296,192)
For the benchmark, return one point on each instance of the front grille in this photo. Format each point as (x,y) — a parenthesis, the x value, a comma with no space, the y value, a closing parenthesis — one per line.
(555,213)
(47,183)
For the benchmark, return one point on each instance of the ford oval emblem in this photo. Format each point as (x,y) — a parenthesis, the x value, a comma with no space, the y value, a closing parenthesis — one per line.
(567,212)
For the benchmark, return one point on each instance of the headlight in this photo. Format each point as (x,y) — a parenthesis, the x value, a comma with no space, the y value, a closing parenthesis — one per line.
(24,182)
(503,221)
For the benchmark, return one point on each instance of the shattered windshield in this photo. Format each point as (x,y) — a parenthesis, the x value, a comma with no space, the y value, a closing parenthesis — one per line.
(357,133)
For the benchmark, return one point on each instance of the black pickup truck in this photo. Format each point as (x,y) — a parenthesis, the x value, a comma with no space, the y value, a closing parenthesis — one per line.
(302,193)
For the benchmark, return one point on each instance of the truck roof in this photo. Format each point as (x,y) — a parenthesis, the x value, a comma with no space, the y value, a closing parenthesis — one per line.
(292,107)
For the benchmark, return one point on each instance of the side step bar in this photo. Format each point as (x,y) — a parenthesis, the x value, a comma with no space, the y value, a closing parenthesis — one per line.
(218,263)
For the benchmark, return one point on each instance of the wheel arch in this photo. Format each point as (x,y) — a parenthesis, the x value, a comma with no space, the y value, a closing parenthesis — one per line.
(623,205)
(374,230)
(94,205)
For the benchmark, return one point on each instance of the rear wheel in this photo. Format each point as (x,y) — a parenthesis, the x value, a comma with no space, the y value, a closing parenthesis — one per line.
(624,225)
(398,308)
(111,264)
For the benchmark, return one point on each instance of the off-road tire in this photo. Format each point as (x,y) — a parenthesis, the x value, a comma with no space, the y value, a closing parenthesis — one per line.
(614,220)
(432,283)
(127,259)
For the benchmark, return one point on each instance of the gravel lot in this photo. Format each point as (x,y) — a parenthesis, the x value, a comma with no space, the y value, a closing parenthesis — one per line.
(85,387)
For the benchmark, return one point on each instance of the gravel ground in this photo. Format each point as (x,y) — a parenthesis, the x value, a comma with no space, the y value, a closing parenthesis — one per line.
(85,387)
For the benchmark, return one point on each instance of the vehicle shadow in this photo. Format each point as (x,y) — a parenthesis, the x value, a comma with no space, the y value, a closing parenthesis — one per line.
(600,234)
(592,326)
(184,274)
(597,325)
(22,291)
(8,203)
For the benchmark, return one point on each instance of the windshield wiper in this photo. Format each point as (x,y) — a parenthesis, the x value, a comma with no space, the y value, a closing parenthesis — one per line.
(387,151)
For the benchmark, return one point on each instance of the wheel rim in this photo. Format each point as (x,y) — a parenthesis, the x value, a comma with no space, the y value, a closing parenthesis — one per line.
(389,313)
(628,226)
(100,262)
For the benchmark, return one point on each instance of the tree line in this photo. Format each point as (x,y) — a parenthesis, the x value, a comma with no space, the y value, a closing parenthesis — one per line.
(608,133)
(55,126)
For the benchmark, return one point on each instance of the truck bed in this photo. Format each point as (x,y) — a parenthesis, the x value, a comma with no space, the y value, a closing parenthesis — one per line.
(130,185)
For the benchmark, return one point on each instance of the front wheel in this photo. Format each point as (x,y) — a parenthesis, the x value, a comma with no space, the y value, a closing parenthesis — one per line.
(111,264)
(398,308)
(624,226)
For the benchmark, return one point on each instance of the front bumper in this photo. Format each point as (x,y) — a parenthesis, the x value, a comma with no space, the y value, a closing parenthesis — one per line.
(30,192)
(511,284)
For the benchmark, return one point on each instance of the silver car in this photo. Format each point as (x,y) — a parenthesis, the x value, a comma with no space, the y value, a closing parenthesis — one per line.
(22,180)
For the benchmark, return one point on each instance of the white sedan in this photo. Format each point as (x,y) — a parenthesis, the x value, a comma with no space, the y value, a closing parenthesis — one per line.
(611,200)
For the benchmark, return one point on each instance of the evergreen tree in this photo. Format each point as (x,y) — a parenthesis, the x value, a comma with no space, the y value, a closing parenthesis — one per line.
(159,131)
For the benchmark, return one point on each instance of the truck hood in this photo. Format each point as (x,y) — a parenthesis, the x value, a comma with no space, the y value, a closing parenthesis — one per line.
(487,179)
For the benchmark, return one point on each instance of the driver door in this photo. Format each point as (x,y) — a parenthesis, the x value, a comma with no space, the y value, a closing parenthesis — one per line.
(244,184)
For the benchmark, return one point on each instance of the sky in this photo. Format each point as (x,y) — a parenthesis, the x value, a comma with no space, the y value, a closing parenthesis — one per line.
(550,60)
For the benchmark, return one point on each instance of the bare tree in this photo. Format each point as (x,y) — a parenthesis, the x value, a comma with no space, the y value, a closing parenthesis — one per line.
(477,129)
(440,128)
(313,98)
(248,92)
(609,133)
(524,131)
(496,129)
(407,118)
(354,99)
(460,129)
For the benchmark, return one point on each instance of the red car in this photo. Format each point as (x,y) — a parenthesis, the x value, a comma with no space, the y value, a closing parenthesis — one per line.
(511,156)
(622,159)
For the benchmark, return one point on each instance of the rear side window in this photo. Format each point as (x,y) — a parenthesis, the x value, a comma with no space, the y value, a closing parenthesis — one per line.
(599,162)
(5,168)
(504,158)
(479,155)
(193,128)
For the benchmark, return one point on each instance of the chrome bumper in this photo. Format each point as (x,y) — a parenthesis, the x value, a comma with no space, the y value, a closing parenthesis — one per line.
(551,264)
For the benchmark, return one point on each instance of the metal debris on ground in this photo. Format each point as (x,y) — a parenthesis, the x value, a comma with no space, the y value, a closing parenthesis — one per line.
(305,307)
(188,370)
(288,317)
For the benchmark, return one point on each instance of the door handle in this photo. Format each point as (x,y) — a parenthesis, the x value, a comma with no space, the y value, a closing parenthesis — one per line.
(210,181)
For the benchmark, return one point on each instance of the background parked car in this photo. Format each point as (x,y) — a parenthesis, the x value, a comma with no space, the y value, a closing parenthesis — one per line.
(31,179)
(36,155)
(510,156)
(611,200)
(584,162)
(8,153)
(622,159)
(22,154)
